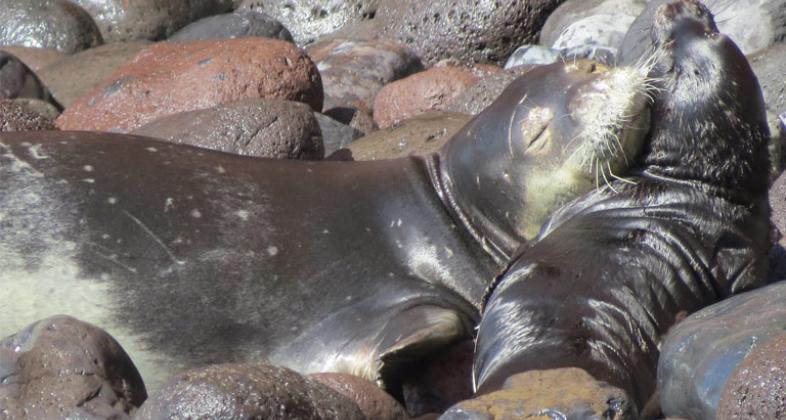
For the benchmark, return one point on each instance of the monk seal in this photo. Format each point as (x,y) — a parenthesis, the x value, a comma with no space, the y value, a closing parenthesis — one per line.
(190,257)
(610,271)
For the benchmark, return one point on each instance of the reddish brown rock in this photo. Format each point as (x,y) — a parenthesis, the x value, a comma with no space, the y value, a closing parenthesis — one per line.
(421,135)
(61,367)
(246,391)
(373,401)
(430,90)
(168,78)
(17,117)
(35,58)
(82,72)
(757,387)
(268,128)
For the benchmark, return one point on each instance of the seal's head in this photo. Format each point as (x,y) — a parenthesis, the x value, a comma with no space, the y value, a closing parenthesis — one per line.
(710,122)
(554,133)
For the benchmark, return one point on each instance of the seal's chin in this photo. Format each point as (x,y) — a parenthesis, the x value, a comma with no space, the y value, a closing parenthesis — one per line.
(613,118)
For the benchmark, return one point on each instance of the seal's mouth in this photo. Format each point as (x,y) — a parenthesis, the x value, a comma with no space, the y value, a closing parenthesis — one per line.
(612,115)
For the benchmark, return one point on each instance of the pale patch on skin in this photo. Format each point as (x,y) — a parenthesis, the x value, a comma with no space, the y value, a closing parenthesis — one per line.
(48,281)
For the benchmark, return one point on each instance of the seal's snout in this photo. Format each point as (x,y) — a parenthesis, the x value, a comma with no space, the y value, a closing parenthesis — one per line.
(680,17)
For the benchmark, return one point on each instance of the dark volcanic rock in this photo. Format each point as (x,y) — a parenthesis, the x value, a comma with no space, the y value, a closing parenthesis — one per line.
(335,135)
(556,394)
(239,24)
(757,388)
(353,72)
(18,81)
(17,117)
(420,135)
(82,72)
(61,367)
(468,30)
(700,353)
(254,127)
(171,77)
(237,391)
(124,20)
(309,20)
(58,24)
(373,401)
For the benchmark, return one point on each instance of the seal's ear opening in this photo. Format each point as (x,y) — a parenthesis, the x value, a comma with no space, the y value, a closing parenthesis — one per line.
(410,338)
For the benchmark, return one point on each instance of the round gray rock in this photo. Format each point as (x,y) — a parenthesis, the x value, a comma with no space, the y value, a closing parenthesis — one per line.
(335,135)
(699,354)
(468,30)
(256,127)
(18,81)
(574,11)
(532,55)
(124,20)
(58,24)
(237,391)
(309,20)
(234,25)
(61,367)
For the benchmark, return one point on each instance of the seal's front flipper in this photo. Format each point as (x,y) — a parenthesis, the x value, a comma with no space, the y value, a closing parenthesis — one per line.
(411,336)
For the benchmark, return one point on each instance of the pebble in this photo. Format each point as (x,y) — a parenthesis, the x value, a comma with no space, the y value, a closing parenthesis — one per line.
(58,24)
(18,81)
(267,128)
(239,24)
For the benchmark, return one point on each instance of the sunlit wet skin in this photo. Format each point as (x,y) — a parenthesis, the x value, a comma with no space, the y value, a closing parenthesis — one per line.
(190,257)
(610,272)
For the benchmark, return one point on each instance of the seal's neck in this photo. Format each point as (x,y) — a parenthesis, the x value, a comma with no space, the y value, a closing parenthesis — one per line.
(498,245)
(712,132)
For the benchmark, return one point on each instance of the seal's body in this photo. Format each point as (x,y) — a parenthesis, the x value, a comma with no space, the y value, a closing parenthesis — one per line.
(190,257)
(612,270)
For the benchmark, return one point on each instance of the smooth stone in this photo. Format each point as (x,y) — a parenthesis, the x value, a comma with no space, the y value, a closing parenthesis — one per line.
(353,72)
(33,57)
(573,11)
(267,128)
(58,24)
(757,388)
(548,394)
(604,31)
(699,354)
(246,391)
(335,135)
(17,117)
(309,20)
(373,401)
(428,90)
(153,20)
(76,75)
(172,77)
(242,23)
(18,81)
(61,367)
(532,55)
(421,135)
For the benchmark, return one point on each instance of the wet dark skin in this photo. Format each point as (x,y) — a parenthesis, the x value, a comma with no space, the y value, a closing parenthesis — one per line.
(611,271)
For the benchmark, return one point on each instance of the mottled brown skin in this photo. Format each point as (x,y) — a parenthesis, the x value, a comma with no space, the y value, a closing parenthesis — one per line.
(612,270)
